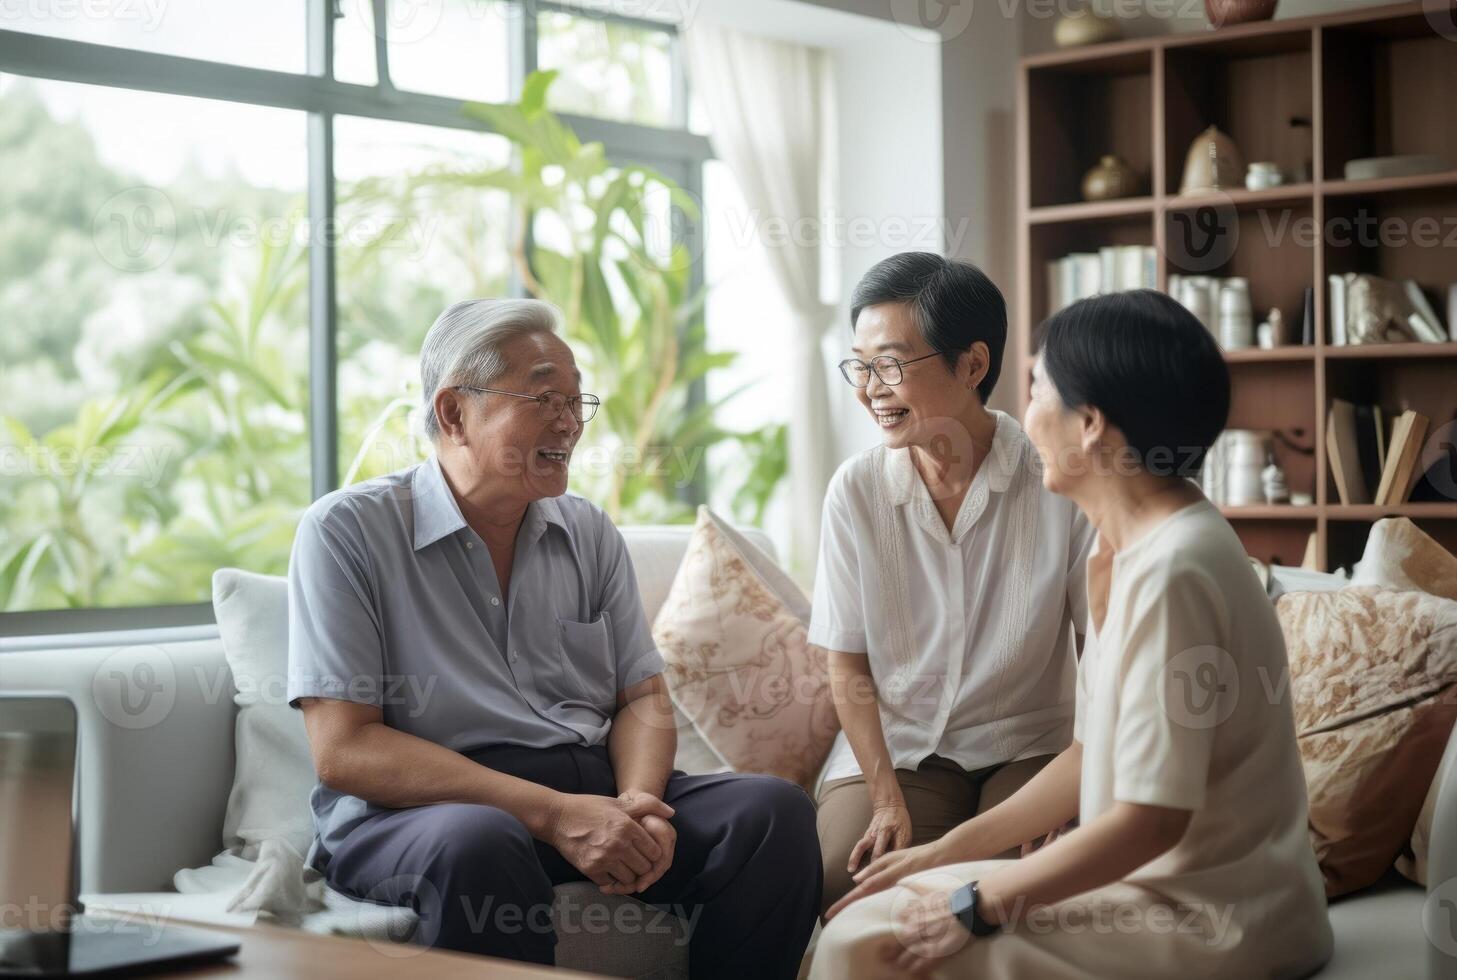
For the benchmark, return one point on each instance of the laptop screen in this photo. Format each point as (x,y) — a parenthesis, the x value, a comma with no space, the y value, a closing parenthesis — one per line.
(37,853)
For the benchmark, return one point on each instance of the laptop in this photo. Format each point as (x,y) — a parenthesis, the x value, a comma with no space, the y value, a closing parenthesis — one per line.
(44,931)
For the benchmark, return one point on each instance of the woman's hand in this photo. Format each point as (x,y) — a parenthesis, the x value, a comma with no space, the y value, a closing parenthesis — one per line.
(925,930)
(889,869)
(889,830)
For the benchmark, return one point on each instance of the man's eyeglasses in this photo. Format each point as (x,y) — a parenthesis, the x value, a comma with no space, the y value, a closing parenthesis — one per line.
(888,369)
(552,403)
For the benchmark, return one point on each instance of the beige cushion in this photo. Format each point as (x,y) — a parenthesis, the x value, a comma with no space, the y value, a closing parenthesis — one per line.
(1374,684)
(1400,555)
(732,634)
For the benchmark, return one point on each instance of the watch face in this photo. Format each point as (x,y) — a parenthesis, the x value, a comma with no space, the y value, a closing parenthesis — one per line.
(962,901)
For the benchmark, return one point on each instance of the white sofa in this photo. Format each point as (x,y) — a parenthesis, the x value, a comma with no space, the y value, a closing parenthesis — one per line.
(153,798)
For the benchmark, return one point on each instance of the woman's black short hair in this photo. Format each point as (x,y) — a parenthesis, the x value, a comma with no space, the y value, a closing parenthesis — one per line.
(1149,366)
(954,304)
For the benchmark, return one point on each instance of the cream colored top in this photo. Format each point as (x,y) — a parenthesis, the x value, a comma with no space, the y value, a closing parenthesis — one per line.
(1183,702)
(969,632)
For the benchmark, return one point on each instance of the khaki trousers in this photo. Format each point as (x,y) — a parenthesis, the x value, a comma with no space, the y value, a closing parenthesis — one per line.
(939,795)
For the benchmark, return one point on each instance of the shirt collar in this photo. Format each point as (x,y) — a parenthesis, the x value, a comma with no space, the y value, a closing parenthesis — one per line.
(437,512)
(997,469)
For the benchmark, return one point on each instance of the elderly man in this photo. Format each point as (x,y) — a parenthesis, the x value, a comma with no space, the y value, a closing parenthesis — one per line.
(483,699)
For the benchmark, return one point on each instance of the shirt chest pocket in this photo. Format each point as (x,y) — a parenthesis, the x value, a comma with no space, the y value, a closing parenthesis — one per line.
(587,664)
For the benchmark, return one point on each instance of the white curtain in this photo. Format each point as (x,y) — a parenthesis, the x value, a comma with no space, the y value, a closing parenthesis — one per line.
(768,107)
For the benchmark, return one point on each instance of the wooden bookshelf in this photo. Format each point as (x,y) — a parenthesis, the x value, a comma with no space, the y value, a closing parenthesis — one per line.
(1310,94)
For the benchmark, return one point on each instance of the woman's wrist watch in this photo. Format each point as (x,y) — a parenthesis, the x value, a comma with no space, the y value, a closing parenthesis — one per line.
(964,902)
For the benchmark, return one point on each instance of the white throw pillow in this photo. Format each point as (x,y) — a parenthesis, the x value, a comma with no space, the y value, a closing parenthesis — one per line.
(274,771)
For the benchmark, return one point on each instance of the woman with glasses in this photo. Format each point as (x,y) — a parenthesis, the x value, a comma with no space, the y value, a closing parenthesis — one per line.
(1192,857)
(950,582)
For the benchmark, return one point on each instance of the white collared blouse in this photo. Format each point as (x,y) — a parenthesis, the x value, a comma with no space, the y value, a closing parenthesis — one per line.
(969,633)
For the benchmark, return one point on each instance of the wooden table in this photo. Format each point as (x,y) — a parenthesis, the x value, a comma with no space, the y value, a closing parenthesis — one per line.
(273,951)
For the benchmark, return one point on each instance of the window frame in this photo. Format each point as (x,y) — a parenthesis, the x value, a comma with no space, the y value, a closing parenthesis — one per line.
(318,94)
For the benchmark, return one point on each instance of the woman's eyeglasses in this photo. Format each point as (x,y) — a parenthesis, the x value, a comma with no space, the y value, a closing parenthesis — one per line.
(553,403)
(888,369)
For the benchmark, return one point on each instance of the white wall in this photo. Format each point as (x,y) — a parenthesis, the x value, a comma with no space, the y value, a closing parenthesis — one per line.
(886,191)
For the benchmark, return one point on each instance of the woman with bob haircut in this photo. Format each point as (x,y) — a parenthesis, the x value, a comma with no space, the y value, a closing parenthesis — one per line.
(950,591)
(1191,857)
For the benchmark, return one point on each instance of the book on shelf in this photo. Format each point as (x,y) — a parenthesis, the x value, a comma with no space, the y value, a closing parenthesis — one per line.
(1343,449)
(1111,269)
(1400,472)
(1373,459)
(1307,322)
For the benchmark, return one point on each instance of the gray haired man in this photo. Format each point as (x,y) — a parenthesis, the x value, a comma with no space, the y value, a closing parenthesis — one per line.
(484,702)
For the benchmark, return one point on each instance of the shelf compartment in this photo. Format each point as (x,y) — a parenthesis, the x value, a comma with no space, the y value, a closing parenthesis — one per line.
(1407,233)
(1423,385)
(1053,241)
(1274,248)
(1280,398)
(1392,80)
(1275,542)
(1257,89)
(1078,112)
(1346,539)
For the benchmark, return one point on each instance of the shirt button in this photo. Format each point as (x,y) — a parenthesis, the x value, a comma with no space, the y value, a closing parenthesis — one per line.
(495,601)
(515,656)
(470,544)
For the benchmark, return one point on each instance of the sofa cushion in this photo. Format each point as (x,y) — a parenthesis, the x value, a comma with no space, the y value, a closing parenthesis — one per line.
(274,772)
(732,633)
(1378,932)
(1400,555)
(1373,675)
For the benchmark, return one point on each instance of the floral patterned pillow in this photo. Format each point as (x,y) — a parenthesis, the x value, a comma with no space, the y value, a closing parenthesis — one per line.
(1373,676)
(732,633)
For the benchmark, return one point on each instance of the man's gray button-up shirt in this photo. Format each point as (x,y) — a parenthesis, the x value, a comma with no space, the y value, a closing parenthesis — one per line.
(393,602)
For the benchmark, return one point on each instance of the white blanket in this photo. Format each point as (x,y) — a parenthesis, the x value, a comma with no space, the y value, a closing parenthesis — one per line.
(279,887)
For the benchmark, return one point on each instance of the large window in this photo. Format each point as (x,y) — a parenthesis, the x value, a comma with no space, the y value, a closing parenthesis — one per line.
(219,254)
